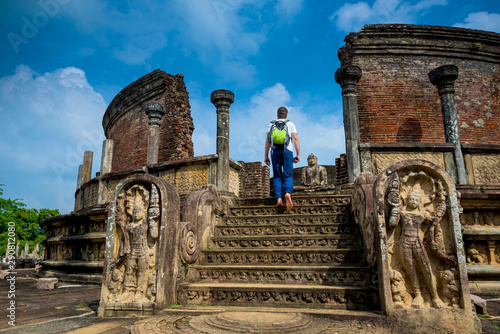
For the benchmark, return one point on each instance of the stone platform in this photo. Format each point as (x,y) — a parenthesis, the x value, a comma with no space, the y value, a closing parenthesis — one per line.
(261,320)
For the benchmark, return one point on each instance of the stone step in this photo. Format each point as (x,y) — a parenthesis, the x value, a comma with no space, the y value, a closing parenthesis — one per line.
(298,200)
(245,211)
(270,256)
(320,275)
(295,241)
(288,219)
(278,295)
(285,230)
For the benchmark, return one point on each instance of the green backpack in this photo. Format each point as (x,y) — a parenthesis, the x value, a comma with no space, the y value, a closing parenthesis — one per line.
(278,134)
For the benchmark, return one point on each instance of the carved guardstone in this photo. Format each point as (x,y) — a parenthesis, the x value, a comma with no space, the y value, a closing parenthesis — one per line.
(141,266)
(421,260)
(363,213)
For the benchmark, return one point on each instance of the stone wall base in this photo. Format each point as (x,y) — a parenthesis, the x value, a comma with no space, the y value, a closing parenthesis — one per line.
(431,321)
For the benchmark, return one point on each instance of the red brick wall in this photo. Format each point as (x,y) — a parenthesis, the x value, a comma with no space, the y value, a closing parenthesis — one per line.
(254,180)
(126,123)
(396,100)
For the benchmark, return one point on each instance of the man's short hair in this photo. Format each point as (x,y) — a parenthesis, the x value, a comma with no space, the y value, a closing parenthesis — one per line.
(282,112)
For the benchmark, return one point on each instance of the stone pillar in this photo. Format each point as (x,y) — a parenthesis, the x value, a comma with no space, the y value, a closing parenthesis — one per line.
(107,156)
(106,163)
(155,112)
(222,100)
(87,167)
(492,247)
(79,178)
(347,77)
(444,78)
(26,249)
(17,247)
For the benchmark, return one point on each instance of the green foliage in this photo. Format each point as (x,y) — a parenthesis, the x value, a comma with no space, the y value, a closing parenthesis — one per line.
(27,228)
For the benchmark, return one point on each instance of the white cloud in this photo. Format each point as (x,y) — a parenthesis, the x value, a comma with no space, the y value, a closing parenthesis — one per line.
(352,17)
(222,34)
(47,122)
(287,9)
(482,21)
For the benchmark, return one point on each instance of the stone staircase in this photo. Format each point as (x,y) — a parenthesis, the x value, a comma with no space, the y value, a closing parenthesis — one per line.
(308,257)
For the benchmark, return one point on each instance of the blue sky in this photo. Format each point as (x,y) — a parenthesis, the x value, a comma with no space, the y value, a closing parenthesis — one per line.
(63,61)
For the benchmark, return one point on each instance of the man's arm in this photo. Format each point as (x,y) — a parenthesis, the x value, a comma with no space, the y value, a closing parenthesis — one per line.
(297,146)
(266,154)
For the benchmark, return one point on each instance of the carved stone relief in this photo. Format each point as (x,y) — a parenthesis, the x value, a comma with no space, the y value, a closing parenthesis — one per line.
(202,210)
(363,213)
(476,255)
(383,160)
(137,216)
(486,168)
(422,259)
(314,174)
(134,258)
(487,218)
(413,201)
(325,299)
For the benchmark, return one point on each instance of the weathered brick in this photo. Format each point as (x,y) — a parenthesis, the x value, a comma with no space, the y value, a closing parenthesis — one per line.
(126,123)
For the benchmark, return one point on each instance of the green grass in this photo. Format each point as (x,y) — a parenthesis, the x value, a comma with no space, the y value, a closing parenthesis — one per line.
(174,306)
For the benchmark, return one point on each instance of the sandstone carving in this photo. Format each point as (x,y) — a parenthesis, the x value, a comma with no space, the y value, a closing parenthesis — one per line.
(421,260)
(202,209)
(137,222)
(363,213)
(314,174)
(398,288)
(141,267)
(450,287)
(473,255)
(412,252)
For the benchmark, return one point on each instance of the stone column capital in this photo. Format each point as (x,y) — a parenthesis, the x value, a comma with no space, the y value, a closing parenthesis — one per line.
(444,78)
(155,112)
(347,77)
(222,98)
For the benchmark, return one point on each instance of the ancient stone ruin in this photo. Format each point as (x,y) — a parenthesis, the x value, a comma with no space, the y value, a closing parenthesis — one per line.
(140,272)
(405,223)
(421,259)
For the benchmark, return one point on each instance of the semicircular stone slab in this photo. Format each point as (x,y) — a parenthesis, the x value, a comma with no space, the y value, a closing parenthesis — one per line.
(235,322)
(258,322)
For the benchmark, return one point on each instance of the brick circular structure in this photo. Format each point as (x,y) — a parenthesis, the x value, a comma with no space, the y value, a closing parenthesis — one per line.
(126,123)
(396,100)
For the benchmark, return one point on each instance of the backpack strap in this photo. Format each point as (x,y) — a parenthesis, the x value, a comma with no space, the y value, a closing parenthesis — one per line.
(271,131)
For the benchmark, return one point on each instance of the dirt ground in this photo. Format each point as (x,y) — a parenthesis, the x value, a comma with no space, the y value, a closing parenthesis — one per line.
(35,306)
(72,310)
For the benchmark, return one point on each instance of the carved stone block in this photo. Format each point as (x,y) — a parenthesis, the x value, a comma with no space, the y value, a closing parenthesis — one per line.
(383,160)
(421,261)
(486,168)
(141,263)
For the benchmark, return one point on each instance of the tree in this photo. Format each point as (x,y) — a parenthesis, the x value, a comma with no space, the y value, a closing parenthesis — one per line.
(27,222)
